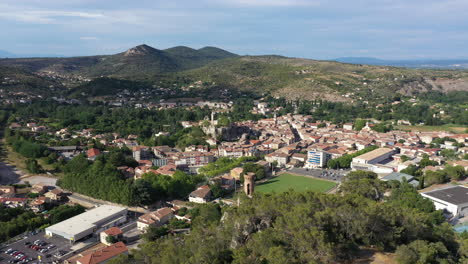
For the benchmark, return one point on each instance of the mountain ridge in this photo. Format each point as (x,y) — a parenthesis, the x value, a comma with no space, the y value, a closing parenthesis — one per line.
(136,61)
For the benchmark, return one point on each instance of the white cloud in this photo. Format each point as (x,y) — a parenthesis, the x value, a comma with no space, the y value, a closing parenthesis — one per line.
(268,3)
(44,16)
(88,38)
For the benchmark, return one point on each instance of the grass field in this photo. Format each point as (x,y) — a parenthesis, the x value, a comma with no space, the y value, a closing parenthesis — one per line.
(286,181)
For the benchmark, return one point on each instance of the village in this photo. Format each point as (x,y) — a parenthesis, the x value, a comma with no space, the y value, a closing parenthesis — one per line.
(281,145)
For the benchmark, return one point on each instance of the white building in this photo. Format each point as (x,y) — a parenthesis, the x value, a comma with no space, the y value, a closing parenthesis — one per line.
(88,223)
(452,199)
(317,158)
(370,161)
(157,218)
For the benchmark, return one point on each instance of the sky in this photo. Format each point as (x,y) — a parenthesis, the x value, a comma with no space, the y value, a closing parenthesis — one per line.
(317,29)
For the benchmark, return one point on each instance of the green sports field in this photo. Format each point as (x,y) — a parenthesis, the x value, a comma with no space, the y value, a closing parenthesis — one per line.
(286,181)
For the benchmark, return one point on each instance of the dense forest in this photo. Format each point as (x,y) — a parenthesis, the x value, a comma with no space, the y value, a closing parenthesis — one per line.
(314,227)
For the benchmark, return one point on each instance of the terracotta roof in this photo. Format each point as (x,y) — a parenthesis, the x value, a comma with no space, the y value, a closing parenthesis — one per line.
(113,231)
(56,191)
(161,213)
(93,152)
(201,192)
(168,169)
(104,254)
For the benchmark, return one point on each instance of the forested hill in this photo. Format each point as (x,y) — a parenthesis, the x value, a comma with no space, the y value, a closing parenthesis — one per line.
(313,227)
(137,61)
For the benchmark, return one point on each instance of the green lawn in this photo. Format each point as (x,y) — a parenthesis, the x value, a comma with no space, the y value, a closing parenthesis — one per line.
(286,181)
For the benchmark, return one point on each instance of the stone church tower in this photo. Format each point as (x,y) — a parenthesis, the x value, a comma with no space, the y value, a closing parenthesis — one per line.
(249,184)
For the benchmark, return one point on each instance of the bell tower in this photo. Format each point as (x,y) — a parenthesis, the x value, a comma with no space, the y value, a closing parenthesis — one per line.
(249,184)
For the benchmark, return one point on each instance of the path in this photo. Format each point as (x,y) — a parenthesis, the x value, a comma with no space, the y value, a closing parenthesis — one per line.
(8,174)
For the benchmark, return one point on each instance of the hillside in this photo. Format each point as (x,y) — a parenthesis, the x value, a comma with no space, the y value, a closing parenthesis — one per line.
(135,62)
(219,70)
(13,80)
(297,78)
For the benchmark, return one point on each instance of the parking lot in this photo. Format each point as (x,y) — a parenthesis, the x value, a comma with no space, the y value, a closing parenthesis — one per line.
(332,175)
(50,247)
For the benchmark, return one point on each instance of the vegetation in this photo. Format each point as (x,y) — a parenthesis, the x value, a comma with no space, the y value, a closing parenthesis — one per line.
(286,182)
(223,165)
(99,179)
(311,227)
(15,221)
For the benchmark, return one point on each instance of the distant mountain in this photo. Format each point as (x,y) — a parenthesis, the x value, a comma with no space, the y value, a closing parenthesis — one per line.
(6,54)
(138,62)
(418,64)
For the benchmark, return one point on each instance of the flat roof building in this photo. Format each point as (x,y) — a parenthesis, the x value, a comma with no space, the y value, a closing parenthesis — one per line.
(368,161)
(91,222)
(453,199)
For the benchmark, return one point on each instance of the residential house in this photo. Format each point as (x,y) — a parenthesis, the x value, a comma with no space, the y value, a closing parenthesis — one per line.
(13,201)
(39,188)
(236,172)
(158,218)
(93,153)
(201,195)
(38,204)
(104,255)
(168,169)
(55,195)
(348,126)
(111,232)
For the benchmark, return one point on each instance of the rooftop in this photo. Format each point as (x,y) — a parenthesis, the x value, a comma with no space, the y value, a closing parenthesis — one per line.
(374,154)
(104,254)
(86,220)
(454,195)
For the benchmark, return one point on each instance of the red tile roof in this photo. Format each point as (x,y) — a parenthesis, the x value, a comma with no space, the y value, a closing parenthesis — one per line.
(104,254)
(93,152)
(113,231)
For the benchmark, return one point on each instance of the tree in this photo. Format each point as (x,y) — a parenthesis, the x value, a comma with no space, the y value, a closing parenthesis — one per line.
(32,166)
(111,239)
(216,190)
(435,177)
(455,173)
(411,170)
(154,232)
(404,158)
(422,252)
(359,124)
(143,192)
(363,183)
(449,154)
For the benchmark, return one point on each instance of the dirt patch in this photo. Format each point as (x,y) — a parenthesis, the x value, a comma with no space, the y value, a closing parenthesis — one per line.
(375,257)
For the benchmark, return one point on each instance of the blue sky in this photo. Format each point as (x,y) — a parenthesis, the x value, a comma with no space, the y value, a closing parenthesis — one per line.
(320,29)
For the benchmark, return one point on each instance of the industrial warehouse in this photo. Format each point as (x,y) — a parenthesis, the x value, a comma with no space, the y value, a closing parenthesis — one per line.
(88,223)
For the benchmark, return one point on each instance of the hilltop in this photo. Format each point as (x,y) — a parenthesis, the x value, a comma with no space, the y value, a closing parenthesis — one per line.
(137,61)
